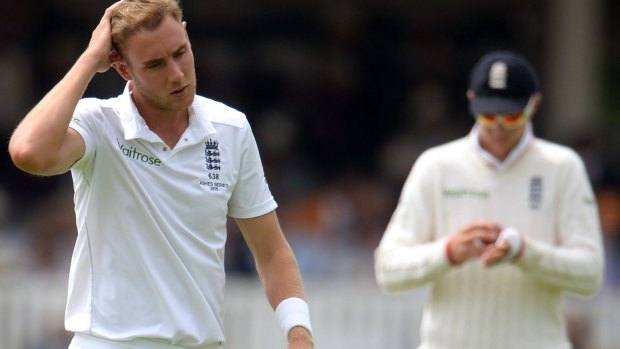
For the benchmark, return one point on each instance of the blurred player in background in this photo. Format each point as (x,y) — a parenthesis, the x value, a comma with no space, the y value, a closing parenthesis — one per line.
(156,172)
(500,224)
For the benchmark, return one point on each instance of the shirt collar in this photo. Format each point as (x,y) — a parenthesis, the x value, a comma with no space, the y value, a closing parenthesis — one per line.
(134,125)
(512,157)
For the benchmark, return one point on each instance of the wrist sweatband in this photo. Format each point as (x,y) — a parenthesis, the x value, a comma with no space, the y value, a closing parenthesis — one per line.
(293,312)
(513,238)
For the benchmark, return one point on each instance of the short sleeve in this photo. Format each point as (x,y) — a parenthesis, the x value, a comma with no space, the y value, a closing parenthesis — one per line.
(251,196)
(83,122)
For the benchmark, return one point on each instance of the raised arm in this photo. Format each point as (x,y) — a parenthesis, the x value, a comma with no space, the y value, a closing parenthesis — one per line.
(276,266)
(43,143)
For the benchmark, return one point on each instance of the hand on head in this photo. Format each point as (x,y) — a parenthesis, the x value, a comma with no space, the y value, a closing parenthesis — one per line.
(100,45)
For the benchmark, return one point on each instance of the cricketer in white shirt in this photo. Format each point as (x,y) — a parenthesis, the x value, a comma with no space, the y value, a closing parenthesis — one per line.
(152,202)
(149,256)
(499,224)
(541,189)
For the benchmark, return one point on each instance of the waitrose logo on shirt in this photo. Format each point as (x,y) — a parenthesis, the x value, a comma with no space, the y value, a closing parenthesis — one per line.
(133,153)
(465,192)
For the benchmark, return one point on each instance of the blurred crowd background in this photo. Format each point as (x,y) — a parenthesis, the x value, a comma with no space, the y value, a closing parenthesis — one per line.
(342,95)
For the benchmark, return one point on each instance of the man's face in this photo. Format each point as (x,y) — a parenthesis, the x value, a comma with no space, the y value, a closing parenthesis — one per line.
(160,64)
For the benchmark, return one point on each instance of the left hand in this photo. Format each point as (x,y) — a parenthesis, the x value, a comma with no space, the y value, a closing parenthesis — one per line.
(508,247)
(494,253)
(299,338)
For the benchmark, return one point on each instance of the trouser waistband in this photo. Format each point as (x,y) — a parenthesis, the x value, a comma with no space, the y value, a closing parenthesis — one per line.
(84,341)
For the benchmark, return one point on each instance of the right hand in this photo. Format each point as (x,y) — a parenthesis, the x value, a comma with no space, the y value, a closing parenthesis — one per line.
(100,45)
(472,240)
(300,338)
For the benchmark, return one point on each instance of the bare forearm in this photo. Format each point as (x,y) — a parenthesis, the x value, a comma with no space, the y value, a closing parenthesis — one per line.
(46,124)
(282,281)
(39,137)
(275,262)
(41,144)
(281,277)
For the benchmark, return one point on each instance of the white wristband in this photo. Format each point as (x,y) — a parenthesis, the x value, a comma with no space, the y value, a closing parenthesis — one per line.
(293,312)
(513,238)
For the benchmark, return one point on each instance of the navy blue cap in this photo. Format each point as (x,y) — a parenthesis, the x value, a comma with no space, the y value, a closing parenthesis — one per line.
(502,82)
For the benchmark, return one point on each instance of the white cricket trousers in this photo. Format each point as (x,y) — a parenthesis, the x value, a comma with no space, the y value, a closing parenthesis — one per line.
(83,341)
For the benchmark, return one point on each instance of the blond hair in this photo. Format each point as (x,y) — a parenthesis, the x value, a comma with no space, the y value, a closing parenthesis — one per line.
(134,15)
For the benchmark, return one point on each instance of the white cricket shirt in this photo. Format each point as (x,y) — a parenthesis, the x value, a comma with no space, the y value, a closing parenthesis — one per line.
(149,256)
(544,192)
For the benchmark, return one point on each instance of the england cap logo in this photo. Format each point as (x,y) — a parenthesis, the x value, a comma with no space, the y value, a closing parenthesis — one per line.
(502,82)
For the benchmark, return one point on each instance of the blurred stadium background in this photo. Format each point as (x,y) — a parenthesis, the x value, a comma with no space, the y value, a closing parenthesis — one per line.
(343,95)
